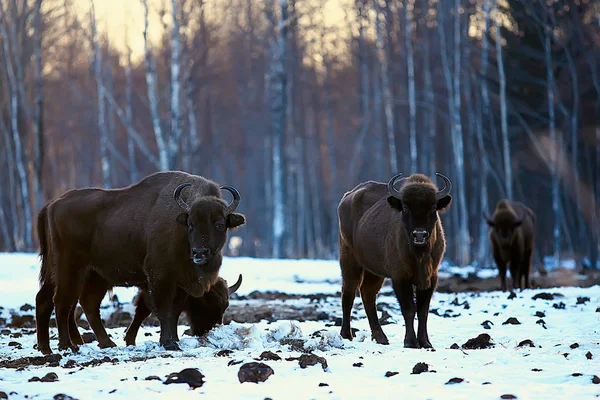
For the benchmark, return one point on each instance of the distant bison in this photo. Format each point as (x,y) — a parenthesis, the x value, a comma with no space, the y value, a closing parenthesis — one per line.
(203,313)
(145,235)
(512,230)
(390,232)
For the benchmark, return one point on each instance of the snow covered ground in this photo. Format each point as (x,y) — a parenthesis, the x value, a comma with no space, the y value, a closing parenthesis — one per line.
(564,331)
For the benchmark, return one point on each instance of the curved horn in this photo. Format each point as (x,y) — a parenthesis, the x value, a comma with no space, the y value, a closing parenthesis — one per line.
(177,197)
(232,289)
(447,186)
(236,198)
(486,217)
(392,185)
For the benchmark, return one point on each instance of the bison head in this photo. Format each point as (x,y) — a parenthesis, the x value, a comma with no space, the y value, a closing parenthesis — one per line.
(419,200)
(504,226)
(207,311)
(207,220)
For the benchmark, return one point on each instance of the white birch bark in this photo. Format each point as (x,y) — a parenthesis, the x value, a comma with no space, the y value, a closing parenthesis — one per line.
(386,93)
(554,142)
(278,92)
(175,86)
(133,173)
(430,117)
(98,71)
(163,152)
(16,231)
(410,66)
(38,116)
(452,79)
(25,242)
(508,180)
(483,250)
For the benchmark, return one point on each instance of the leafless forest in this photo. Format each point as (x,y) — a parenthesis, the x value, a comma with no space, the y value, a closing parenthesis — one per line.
(502,96)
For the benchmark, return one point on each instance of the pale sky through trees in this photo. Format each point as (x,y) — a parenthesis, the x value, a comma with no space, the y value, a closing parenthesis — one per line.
(125,18)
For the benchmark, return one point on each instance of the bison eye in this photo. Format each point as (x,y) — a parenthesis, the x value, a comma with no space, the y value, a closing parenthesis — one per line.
(220,226)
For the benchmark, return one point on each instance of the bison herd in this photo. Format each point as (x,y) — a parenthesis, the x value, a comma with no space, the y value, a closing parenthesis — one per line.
(165,235)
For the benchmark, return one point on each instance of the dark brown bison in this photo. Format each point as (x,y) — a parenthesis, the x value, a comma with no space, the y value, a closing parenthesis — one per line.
(390,232)
(512,230)
(203,313)
(146,235)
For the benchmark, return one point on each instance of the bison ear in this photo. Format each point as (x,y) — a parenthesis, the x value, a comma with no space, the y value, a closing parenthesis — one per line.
(444,203)
(234,220)
(395,203)
(182,219)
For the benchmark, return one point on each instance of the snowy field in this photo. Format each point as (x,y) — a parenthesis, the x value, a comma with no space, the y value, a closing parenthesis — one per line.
(559,355)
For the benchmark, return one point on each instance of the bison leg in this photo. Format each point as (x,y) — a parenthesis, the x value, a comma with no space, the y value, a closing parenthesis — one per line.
(163,297)
(423,300)
(178,305)
(90,300)
(502,272)
(526,267)
(68,288)
(515,274)
(404,294)
(142,311)
(369,288)
(44,305)
(73,329)
(351,278)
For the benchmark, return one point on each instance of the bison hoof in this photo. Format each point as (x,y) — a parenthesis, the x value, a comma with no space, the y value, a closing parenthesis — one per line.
(45,351)
(347,334)
(72,347)
(425,344)
(107,345)
(380,338)
(411,343)
(171,346)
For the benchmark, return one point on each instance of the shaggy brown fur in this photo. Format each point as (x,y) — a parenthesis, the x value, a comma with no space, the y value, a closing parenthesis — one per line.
(134,236)
(203,313)
(512,231)
(380,236)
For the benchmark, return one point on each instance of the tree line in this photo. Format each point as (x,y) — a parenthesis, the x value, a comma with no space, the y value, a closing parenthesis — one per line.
(502,96)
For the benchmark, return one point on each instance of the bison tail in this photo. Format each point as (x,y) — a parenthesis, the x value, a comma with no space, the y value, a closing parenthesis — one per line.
(42,222)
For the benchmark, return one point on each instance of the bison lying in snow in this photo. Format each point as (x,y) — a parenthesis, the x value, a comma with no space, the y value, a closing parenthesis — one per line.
(387,232)
(512,230)
(144,235)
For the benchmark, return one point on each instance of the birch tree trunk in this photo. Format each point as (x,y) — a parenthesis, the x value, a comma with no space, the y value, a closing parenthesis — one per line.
(98,71)
(462,253)
(508,180)
(278,97)
(386,93)
(331,146)
(554,142)
(410,66)
(38,116)
(133,173)
(175,87)
(13,220)
(429,117)
(25,242)
(483,249)
(163,152)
